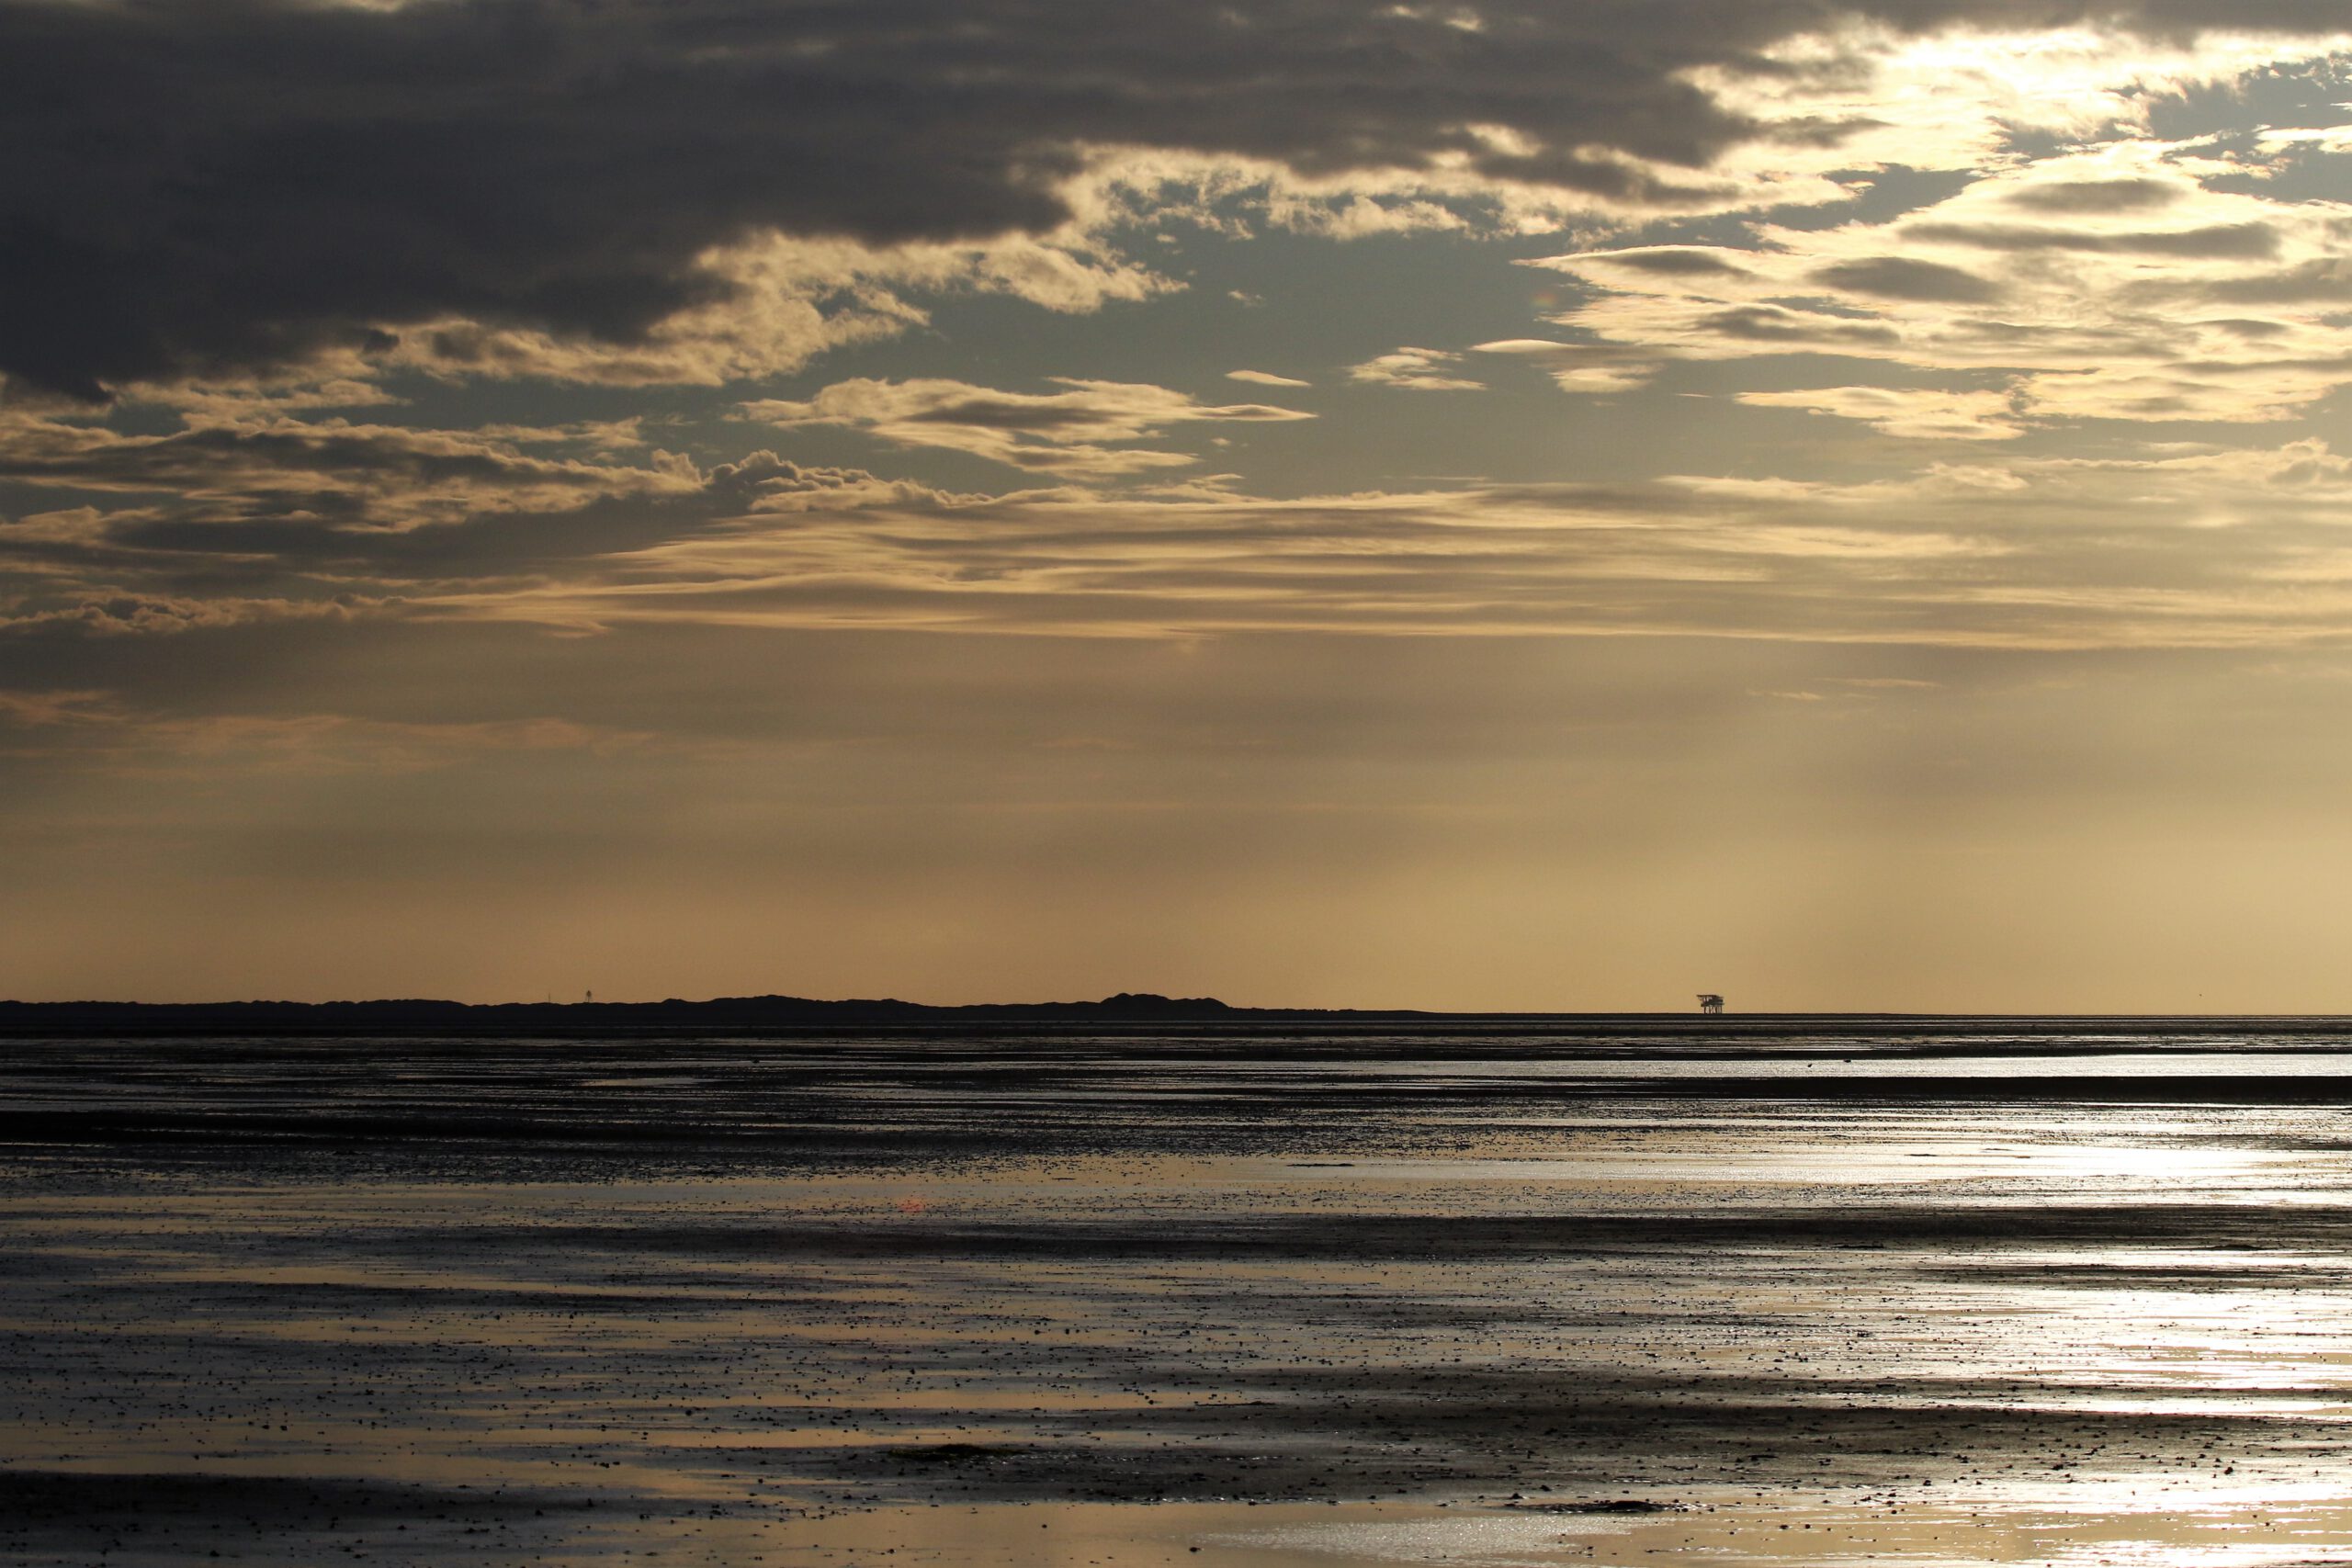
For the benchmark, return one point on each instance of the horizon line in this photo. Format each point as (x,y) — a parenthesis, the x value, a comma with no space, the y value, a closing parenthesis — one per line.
(1132,1002)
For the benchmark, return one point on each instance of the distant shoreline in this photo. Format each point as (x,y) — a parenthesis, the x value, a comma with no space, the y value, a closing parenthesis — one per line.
(423,1018)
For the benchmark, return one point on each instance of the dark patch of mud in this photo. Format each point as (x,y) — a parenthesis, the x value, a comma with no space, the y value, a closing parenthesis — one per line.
(1429,1237)
(37,1496)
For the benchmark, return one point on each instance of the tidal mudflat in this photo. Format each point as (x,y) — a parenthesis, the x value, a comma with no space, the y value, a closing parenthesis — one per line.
(1482,1292)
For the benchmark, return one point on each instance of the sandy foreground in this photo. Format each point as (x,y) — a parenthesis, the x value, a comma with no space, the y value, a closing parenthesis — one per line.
(1445,1294)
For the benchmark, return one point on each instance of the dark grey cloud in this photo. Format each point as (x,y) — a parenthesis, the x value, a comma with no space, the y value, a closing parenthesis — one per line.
(2096,196)
(1778,323)
(206,187)
(2321,281)
(1005,413)
(1814,130)
(1671,261)
(1899,278)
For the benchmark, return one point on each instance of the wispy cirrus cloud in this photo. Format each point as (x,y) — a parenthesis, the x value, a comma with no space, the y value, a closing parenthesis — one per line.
(1415,370)
(2194,547)
(1928,414)
(1081,430)
(2213,549)
(327,471)
(101,727)
(2120,283)
(236,523)
(1598,367)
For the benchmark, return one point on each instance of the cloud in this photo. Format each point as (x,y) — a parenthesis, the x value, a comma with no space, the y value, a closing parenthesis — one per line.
(2201,549)
(2096,196)
(784,302)
(243,522)
(540,213)
(1582,366)
(1413,370)
(328,472)
(1796,327)
(1671,261)
(1904,277)
(2317,280)
(1962,87)
(57,709)
(1061,433)
(120,737)
(522,187)
(1922,413)
(2131,293)
(136,615)
(2233,241)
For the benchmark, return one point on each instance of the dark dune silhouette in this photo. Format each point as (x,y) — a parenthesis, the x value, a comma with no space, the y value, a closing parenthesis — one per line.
(429,1016)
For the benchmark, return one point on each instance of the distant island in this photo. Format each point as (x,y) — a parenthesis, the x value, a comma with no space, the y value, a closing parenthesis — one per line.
(429,1016)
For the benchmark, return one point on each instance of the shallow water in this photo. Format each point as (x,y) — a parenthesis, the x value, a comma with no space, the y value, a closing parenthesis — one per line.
(1968,1293)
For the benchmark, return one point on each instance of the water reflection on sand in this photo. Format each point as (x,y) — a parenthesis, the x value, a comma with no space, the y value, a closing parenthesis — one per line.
(981,1301)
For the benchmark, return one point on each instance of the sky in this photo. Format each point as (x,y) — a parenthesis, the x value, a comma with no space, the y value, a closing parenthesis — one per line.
(1547,504)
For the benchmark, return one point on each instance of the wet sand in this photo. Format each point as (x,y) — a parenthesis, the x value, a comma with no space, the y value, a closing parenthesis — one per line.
(1482,1293)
